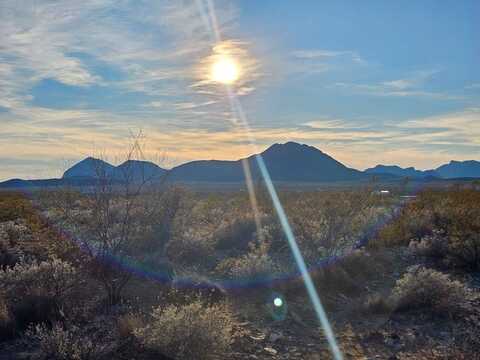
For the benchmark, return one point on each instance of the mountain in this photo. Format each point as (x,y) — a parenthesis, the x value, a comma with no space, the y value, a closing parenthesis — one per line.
(286,162)
(131,170)
(137,170)
(396,170)
(289,162)
(457,169)
(89,168)
(452,170)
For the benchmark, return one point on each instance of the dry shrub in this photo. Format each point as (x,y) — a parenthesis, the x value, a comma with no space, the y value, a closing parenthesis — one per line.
(62,343)
(464,250)
(349,274)
(434,246)
(255,265)
(361,264)
(9,256)
(126,324)
(453,213)
(55,278)
(14,206)
(334,279)
(430,290)
(326,223)
(192,331)
(377,304)
(36,292)
(6,320)
(235,237)
(193,287)
(190,248)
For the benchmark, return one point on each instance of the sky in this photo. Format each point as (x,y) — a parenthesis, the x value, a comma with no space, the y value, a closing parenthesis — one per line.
(370,82)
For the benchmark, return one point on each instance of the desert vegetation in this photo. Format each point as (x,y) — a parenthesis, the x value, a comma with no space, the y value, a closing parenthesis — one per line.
(151,270)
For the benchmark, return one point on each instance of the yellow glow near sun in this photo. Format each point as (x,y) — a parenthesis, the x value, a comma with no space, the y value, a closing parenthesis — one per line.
(225,70)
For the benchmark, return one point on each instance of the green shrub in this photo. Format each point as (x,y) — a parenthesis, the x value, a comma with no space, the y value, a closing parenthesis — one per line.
(431,290)
(192,331)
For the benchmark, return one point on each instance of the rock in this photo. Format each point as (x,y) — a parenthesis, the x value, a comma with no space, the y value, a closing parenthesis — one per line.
(274,337)
(258,337)
(413,269)
(271,350)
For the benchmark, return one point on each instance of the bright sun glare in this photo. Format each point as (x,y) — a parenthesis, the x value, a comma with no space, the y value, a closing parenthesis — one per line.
(225,70)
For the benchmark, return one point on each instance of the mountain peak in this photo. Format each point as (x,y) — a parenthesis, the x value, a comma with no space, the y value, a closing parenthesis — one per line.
(291,146)
(88,167)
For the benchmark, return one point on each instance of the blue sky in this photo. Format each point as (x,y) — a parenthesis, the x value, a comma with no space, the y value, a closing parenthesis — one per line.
(367,82)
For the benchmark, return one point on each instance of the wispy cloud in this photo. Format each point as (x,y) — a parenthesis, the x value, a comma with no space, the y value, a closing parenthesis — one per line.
(409,86)
(317,61)
(423,142)
(155,47)
(319,54)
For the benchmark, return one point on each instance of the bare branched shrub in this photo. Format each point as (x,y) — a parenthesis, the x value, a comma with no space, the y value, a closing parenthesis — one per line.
(430,290)
(123,210)
(62,343)
(326,223)
(192,331)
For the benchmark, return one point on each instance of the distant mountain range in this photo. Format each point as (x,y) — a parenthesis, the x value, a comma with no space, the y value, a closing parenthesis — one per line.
(289,162)
(452,170)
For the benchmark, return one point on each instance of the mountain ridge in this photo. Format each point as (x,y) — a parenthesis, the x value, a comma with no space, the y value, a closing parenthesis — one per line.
(287,162)
(454,169)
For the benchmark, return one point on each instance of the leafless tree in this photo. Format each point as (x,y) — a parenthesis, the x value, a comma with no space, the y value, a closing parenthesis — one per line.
(122,206)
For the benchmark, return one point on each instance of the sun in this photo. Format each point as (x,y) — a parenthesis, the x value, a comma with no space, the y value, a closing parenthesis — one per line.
(225,70)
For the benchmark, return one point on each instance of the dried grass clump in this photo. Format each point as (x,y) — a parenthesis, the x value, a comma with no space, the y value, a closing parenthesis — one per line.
(192,331)
(64,343)
(430,289)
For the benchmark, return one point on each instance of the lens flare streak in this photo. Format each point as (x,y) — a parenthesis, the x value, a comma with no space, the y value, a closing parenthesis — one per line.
(312,292)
